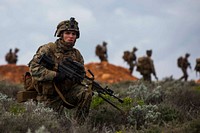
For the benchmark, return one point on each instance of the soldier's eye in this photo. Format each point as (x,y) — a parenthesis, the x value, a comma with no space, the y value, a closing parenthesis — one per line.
(73,33)
(67,32)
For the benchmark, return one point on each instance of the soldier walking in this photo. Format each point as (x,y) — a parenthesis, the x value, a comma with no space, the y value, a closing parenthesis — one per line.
(146,66)
(101,51)
(12,57)
(131,59)
(183,63)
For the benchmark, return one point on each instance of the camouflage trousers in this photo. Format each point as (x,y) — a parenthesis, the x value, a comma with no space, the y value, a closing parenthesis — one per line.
(131,67)
(78,96)
(147,77)
(185,74)
(102,57)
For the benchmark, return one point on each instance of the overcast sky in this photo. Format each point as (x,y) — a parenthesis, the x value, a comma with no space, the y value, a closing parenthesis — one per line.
(169,27)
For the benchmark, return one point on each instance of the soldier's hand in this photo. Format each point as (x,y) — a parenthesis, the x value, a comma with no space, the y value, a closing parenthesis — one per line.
(59,77)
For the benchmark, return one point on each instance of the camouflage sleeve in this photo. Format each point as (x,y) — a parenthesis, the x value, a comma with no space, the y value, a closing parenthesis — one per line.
(39,72)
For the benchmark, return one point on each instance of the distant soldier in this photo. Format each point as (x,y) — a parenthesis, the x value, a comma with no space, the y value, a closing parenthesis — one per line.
(183,63)
(146,67)
(130,58)
(101,52)
(8,57)
(15,56)
(11,57)
(197,66)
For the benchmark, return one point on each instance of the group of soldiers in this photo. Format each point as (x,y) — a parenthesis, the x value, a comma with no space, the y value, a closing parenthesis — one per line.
(144,65)
(12,57)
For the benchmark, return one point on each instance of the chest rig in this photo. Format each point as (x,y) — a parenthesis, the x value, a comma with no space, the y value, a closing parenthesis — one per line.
(58,54)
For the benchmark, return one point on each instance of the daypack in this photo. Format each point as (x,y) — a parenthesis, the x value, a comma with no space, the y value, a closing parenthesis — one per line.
(144,65)
(197,67)
(29,91)
(126,55)
(98,50)
(180,61)
(32,87)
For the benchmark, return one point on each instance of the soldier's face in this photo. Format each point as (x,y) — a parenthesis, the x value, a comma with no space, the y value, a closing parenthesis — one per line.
(69,36)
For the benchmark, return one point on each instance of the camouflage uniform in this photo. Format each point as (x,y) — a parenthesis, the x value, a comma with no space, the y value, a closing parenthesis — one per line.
(147,76)
(8,57)
(11,57)
(184,65)
(132,60)
(101,51)
(75,94)
(147,73)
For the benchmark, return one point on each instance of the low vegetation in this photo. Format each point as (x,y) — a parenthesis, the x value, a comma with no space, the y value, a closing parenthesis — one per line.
(164,106)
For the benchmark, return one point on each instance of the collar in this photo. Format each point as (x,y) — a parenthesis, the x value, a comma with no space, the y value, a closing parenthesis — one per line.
(63,46)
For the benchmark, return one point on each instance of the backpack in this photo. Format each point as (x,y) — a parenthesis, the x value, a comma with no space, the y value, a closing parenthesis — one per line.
(98,50)
(29,91)
(32,87)
(180,61)
(126,55)
(144,65)
(197,66)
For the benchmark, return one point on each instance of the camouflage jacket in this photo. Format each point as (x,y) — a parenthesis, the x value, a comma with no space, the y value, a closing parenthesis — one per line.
(185,63)
(58,52)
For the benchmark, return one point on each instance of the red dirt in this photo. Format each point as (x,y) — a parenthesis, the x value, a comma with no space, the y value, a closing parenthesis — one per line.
(13,73)
(109,73)
(104,72)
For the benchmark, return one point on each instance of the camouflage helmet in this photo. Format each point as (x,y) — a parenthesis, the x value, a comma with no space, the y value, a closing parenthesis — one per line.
(16,50)
(104,43)
(135,49)
(187,55)
(149,52)
(71,24)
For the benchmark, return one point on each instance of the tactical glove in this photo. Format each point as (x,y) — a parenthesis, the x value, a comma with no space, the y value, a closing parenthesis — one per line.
(59,77)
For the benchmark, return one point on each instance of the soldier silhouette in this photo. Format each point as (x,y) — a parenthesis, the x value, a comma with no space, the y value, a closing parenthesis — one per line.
(101,51)
(131,59)
(146,67)
(197,66)
(183,63)
(12,57)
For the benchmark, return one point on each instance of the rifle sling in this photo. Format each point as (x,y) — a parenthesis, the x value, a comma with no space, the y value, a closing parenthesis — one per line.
(62,97)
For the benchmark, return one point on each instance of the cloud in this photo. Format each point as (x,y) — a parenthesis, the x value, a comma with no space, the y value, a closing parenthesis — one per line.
(170,28)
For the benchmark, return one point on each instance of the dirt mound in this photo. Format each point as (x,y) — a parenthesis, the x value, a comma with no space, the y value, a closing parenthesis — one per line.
(108,73)
(104,72)
(13,73)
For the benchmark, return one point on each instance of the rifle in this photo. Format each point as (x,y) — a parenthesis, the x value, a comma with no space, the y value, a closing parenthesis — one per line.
(75,72)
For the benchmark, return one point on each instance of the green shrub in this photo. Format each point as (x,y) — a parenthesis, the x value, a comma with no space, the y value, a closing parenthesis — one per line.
(193,127)
(143,115)
(169,114)
(17,109)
